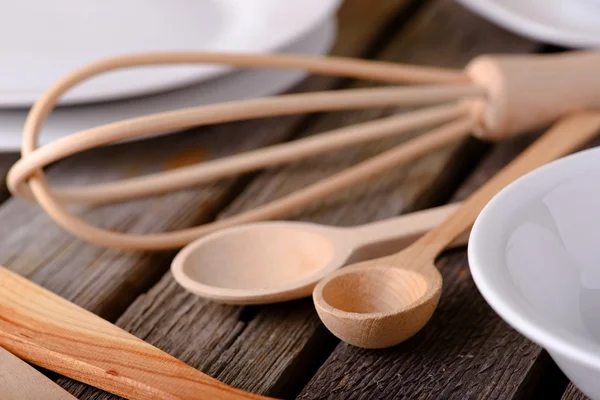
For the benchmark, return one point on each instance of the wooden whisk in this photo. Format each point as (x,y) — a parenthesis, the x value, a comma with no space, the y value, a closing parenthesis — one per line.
(493,98)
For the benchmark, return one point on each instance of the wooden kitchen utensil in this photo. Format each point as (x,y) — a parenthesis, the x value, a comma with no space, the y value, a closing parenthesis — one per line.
(495,97)
(382,302)
(47,330)
(20,381)
(269,262)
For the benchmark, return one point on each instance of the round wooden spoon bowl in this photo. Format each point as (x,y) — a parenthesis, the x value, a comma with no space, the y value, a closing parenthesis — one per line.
(260,263)
(376,306)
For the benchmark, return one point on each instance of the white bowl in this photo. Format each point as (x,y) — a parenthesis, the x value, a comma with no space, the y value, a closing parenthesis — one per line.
(534,254)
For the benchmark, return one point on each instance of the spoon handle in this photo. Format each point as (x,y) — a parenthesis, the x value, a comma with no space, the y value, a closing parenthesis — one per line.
(47,330)
(399,232)
(565,136)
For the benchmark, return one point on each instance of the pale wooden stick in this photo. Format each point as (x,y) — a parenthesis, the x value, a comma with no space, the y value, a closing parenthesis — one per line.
(417,147)
(365,69)
(33,160)
(266,157)
(47,330)
(381,71)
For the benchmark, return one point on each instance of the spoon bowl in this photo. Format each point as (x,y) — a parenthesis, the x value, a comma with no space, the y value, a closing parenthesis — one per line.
(260,262)
(267,262)
(375,306)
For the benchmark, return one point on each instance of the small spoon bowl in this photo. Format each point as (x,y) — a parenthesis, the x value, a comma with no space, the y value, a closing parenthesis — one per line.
(373,306)
(267,262)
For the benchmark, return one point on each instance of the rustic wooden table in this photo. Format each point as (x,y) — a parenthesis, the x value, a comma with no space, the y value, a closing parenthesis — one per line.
(466,351)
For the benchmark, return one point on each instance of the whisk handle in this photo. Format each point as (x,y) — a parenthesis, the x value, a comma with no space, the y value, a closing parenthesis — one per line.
(527,92)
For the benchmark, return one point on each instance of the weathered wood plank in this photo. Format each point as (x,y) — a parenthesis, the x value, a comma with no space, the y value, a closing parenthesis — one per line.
(266,349)
(573,393)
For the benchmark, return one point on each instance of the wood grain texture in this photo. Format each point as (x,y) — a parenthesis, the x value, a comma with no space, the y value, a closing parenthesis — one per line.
(572,393)
(271,350)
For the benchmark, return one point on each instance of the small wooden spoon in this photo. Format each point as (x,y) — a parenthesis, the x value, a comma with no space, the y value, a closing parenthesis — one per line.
(47,330)
(382,302)
(20,381)
(269,262)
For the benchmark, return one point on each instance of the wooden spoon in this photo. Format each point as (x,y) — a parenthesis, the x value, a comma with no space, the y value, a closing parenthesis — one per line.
(47,330)
(382,302)
(269,262)
(20,381)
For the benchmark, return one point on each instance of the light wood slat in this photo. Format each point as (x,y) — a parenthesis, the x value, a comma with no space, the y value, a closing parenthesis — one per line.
(271,349)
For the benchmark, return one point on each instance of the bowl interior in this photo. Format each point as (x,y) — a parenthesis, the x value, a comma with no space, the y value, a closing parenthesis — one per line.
(534,253)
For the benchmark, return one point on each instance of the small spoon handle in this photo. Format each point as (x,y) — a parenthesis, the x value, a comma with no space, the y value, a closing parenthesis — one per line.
(565,136)
(47,330)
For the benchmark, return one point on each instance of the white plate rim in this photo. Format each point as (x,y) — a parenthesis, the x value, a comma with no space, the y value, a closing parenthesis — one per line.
(299,24)
(317,42)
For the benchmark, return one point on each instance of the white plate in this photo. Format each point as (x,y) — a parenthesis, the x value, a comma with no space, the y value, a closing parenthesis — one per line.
(236,86)
(40,41)
(570,23)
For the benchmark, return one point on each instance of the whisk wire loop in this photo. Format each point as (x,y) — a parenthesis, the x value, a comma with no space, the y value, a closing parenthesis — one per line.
(26,178)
